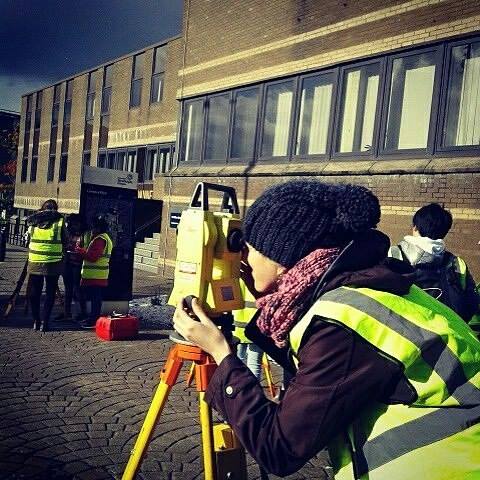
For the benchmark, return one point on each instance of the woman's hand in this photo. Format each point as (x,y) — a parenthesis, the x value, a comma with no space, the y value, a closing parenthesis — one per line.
(203,333)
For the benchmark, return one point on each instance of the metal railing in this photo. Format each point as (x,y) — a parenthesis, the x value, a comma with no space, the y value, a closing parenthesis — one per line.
(16,234)
(148,228)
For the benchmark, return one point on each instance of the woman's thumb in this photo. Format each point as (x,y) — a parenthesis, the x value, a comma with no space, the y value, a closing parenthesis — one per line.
(199,312)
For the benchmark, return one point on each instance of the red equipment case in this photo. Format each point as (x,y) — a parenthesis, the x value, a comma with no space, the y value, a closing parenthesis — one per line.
(117,327)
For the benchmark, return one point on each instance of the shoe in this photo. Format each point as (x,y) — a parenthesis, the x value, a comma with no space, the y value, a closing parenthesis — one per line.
(36,325)
(81,317)
(87,325)
(43,326)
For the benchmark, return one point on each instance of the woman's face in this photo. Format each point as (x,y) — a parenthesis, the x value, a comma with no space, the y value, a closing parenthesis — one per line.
(265,272)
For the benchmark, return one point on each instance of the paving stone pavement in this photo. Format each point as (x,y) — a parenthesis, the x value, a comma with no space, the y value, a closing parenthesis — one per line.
(71,406)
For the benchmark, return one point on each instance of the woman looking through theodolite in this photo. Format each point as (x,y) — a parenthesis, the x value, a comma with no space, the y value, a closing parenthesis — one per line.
(362,342)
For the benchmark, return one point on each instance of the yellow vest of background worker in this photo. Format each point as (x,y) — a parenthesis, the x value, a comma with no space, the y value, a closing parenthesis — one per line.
(99,270)
(436,437)
(46,243)
(243,316)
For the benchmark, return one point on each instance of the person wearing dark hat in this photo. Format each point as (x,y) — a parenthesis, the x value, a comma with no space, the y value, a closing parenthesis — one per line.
(384,375)
(46,240)
(95,267)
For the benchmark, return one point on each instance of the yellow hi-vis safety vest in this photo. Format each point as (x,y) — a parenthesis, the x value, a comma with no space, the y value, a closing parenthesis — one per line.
(46,243)
(98,270)
(437,437)
(243,316)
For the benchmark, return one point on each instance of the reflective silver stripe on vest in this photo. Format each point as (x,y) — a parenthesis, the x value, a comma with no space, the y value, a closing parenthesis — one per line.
(398,441)
(96,267)
(433,349)
(50,254)
(240,324)
(250,304)
(51,242)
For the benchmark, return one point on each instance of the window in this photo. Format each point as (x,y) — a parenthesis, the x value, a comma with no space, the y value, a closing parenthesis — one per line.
(315,114)
(218,115)
(131,161)
(121,163)
(62,171)
(192,130)
(87,141)
(410,104)
(244,123)
(159,61)
(33,169)
(24,171)
(53,133)
(51,168)
(111,160)
(276,119)
(67,113)
(103,138)
(56,105)
(107,89)
(38,110)
(102,159)
(358,106)
(164,156)
(151,164)
(86,158)
(28,126)
(137,80)
(90,107)
(67,108)
(462,119)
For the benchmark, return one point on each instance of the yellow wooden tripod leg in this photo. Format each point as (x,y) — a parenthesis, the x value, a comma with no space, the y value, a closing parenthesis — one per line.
(207,437)
(156,407)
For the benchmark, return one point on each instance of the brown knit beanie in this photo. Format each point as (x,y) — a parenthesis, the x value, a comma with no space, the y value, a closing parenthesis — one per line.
(290,220)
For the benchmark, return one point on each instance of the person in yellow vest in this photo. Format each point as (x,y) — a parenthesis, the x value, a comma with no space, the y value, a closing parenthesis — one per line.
(436,270)
(46,238)
(384,375)
(95,267)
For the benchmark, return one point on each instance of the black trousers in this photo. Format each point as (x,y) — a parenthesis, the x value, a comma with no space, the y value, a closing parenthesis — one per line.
(71,280)
(35,287)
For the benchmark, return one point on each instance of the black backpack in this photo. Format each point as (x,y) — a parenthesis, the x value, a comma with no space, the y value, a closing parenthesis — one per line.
(441,281)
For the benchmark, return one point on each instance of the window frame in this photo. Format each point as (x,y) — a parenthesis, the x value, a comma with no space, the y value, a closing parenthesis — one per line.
(160,74)
(269,159)
(134,79)
(235,92)
(328,148)
(206,112)
(373,152)
(430,147)
(183,137)
(454,150)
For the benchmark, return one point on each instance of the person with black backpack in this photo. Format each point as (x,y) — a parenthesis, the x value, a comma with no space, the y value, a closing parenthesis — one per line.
(436,270)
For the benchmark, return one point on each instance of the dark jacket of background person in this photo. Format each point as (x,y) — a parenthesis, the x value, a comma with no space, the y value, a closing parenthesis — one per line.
(424,254)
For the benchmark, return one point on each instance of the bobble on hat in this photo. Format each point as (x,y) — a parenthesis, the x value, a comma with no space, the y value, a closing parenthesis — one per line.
(290,220)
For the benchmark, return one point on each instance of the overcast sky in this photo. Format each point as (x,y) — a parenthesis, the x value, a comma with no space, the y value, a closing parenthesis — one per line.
(42,41)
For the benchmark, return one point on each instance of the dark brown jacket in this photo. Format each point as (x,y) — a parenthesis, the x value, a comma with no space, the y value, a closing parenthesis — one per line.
(339,374)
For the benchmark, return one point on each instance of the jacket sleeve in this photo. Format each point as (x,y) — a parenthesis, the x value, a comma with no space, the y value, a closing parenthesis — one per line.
(94,250)
(338,375)
(472,299)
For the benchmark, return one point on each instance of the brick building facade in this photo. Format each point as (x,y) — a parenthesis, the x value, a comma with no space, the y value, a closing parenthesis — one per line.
(379,92)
